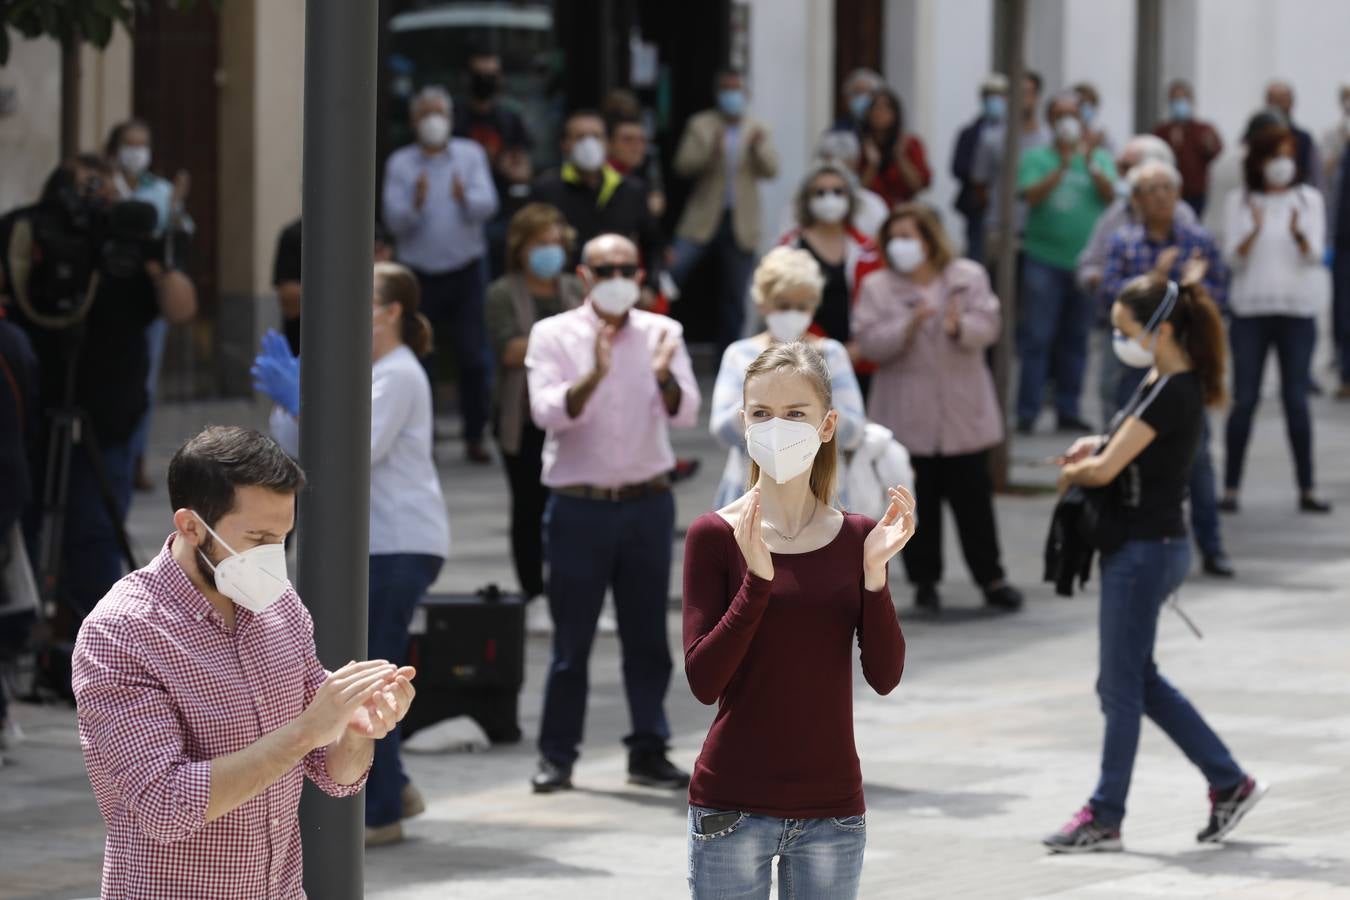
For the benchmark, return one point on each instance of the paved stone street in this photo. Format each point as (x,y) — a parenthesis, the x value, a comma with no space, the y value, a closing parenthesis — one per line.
(991,739)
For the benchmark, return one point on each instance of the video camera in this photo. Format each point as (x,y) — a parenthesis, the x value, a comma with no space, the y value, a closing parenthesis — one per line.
(56,251)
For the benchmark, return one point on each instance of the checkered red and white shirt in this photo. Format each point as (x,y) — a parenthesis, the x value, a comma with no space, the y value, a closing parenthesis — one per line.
(162,689)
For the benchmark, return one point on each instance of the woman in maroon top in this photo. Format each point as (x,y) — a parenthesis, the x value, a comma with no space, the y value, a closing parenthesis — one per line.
(894,163)
(776,584)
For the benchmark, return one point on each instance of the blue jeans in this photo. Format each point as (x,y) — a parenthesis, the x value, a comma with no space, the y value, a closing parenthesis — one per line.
(593,545)
(91,556)
(818,859)
(736,266)
(1252,337)
(453,302)
(1203,487)
(1052,339)
(1136,580)
(398,582)
(155,335)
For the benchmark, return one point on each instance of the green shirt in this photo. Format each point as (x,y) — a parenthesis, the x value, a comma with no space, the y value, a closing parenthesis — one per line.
(1059,227)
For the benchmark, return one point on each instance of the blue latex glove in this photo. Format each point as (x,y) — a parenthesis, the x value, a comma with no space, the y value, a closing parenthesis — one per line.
(1329,257)
(276,373)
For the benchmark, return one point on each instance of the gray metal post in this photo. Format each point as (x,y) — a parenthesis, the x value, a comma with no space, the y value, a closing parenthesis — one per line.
(1012,20)
(334,525)
(1147,65)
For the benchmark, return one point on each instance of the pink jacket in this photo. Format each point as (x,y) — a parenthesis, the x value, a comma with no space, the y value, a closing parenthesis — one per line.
(932,390)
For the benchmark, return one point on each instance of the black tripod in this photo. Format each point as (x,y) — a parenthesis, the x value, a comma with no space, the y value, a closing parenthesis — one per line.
(70,432)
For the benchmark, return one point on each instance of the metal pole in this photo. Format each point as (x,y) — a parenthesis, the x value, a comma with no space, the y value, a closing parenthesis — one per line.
(334,527)
(1147,65)
(1013,20)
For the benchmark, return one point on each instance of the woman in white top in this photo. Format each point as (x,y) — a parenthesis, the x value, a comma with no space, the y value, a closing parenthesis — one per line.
(409,530)
(1273,238)
(786,289)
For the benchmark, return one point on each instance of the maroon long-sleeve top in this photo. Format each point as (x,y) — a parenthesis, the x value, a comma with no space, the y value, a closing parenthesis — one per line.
(777,658)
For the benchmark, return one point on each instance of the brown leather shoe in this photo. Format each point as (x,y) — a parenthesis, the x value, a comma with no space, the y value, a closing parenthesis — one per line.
(384,835)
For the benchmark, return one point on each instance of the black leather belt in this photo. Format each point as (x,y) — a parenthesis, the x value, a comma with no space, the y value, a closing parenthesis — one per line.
(658,485)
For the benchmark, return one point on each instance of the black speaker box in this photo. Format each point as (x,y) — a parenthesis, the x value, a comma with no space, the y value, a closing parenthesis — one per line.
(469,650)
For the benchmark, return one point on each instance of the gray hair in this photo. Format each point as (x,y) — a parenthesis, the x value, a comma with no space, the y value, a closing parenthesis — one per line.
(871,79)
(839,146)
(433,93)
(1149,148)
(1151,169)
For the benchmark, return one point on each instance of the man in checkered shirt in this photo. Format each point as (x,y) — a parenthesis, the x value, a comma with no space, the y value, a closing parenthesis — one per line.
(202,705)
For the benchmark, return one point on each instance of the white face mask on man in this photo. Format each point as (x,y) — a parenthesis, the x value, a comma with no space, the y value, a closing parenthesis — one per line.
(433,130)
(134,159)
(615,296)
(588,154)
(781,448)
(254,579)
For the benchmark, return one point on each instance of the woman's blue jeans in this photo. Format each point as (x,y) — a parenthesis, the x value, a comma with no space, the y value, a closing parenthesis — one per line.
(1136,580)
(398,582)
(818,859)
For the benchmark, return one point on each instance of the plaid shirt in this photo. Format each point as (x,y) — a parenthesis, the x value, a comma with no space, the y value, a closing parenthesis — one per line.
(1132,252)
(162,689)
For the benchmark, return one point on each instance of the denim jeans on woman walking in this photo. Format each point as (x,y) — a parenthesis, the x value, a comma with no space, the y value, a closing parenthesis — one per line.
(1136,580)
(398,581)
(818,859)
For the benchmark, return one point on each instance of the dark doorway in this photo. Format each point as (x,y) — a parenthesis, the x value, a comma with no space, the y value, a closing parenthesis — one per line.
(174,89)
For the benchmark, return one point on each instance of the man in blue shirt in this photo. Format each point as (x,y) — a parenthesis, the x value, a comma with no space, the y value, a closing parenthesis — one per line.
(438,195)
(1160,242)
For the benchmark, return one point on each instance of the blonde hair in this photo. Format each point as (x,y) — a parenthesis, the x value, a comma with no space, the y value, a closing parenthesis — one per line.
(782,269)
(801,359)
(396,284)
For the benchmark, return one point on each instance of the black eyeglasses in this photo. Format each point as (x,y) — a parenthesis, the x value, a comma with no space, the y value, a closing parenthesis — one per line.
(825,192)
(605,270)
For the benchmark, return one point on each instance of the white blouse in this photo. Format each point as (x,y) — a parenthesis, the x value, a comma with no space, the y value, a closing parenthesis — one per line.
(1275,278)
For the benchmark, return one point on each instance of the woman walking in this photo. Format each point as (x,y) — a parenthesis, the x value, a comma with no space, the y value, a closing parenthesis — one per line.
(1145,463)
(927,321)
(776,586)
(1274,235)
(409,530)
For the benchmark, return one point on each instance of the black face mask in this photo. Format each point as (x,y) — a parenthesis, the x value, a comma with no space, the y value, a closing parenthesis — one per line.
(483,87)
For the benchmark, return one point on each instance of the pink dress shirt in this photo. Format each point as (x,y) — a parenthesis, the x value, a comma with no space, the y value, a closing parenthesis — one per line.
(162,689)
(621,436)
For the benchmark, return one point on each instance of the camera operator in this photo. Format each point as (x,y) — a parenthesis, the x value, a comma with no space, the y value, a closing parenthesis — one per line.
(104,347)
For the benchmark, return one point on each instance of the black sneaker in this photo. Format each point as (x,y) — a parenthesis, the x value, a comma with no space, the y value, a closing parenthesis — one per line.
(926,597)
(1219,565)
(1227,808)
(551,778)
(684,470)
(1004,597)
(652,769)
(1082,834)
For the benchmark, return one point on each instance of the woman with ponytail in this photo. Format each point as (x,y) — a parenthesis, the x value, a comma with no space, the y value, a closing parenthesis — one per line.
(1145,462)
(776,585)
(409,530)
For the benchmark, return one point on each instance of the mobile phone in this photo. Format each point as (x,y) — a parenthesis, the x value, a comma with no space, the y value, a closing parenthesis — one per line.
(711,824)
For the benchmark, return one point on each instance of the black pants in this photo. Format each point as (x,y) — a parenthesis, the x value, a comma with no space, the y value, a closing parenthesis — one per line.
(964,482)
(453,302)
(528,498)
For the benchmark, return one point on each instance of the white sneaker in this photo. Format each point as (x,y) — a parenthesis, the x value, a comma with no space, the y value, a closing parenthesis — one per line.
(537,618)
(11,735)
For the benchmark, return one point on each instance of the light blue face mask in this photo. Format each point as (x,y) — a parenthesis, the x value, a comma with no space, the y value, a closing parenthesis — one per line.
(1088,112)
(732,102)
(546,261)
(858,105)
(995,107)
(1181,109)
